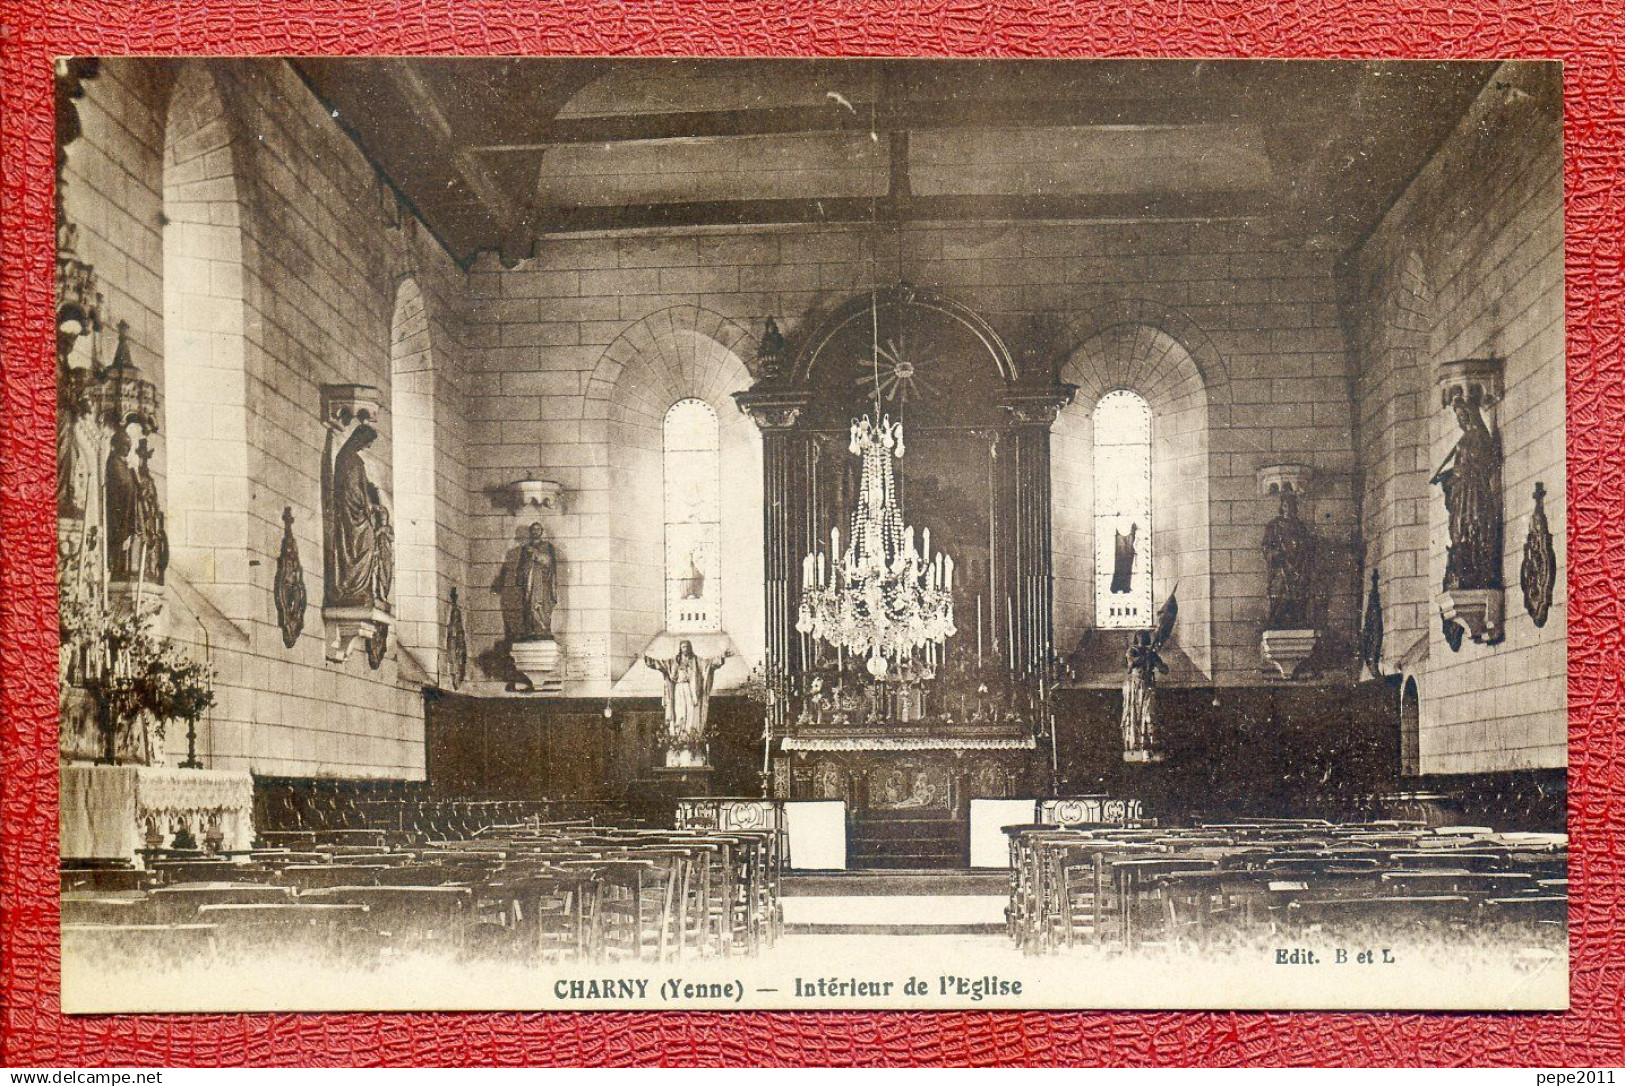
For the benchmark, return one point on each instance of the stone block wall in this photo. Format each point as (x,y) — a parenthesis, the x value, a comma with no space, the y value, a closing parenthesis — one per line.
(1260,316)
(286,250)
(1469,263)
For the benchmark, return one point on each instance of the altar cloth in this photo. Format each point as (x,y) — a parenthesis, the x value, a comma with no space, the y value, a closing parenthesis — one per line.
(105,809)
(883,742)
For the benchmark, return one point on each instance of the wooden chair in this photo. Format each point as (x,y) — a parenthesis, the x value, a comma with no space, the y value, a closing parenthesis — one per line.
(173,872)
(1391,915)
(407,916)
(251,930)
(305,877)
(110,907)
(633,906)
(180,904)
(105,879)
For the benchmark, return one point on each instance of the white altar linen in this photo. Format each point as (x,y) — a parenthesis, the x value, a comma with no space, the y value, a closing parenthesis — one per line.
(105,809)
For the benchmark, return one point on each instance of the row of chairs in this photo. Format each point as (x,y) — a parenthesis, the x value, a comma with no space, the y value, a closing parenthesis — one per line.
(1235,880)
(539,890)
(408,816)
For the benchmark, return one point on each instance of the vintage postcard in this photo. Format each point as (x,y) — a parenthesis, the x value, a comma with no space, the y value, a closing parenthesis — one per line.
(598,534)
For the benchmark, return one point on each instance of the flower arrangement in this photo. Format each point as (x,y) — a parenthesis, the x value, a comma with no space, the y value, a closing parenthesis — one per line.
(139,678)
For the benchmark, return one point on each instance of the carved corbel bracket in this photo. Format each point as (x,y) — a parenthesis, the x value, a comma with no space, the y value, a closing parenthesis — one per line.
(352,628)
(344,405)
(1288,650)
(1480,611)
(542,494)
(1277,479)
(1477,381)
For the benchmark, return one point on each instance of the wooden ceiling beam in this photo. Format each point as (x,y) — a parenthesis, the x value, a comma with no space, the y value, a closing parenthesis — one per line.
(538,133)
(1171,207)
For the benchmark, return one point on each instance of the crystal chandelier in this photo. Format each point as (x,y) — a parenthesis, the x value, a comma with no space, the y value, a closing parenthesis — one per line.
(883,597)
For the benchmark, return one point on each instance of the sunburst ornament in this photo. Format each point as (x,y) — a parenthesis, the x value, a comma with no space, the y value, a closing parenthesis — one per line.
(896,372)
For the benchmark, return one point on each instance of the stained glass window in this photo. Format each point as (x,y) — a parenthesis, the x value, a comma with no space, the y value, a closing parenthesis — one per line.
(1122,511)
(693,501)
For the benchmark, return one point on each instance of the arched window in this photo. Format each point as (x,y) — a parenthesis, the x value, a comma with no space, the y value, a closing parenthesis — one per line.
(1122,492)
(693,508)
(1410,728)
(411,386)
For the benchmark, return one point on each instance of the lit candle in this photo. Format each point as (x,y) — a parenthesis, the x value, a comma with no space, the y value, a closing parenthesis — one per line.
(926,553)
(948,572)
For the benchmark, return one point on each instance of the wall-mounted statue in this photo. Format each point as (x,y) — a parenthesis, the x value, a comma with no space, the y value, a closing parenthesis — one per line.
(384,536)
(537,577)
(120,495)
(152,534)
(1470,477)
(687,700)
(358,541)
(1289,554)
(76,440)
(353,577)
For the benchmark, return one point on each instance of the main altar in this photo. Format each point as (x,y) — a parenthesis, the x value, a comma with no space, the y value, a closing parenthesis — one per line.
(952,702)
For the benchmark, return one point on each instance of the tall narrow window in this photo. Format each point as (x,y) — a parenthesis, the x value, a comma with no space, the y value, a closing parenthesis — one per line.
(693,502)
(412,452)
(1122,511)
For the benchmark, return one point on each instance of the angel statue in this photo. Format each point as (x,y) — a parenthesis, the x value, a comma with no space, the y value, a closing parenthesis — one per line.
(1140,686)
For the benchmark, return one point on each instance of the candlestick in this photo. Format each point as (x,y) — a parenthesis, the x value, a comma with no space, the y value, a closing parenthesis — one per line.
(978,632)
(1010,631)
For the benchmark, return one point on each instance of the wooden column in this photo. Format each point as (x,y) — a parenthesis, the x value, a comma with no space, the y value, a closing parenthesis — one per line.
(786,528)
(1024,535)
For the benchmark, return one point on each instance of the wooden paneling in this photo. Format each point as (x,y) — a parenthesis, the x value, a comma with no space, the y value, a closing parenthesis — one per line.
(564,748)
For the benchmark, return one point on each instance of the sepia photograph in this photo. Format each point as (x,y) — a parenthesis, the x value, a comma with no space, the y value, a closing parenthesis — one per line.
(741,534)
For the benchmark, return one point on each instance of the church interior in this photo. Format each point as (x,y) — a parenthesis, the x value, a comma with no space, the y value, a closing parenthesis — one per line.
(645,508)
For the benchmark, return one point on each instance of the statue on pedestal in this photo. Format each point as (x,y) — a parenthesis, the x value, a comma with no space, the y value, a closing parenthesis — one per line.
(536,574)
(1144,657)
(687,700)
(1289,552)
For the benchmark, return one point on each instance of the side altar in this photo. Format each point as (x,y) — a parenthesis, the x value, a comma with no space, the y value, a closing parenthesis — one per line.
(114,812)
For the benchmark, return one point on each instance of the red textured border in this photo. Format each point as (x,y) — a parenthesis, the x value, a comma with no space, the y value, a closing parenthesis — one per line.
(1589,36)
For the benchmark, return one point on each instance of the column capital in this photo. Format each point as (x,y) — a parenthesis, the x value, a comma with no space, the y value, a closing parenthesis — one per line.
(1036,405)
(774,409)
